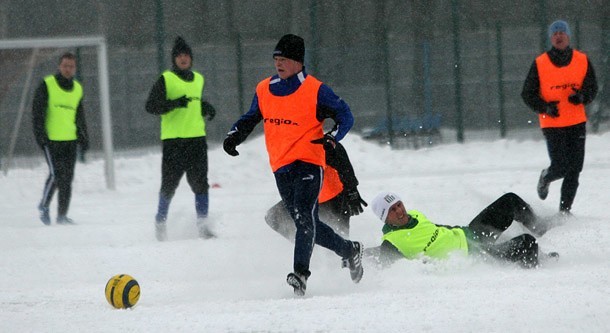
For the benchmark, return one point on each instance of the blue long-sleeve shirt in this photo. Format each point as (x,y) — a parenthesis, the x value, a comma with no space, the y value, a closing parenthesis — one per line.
(329,105)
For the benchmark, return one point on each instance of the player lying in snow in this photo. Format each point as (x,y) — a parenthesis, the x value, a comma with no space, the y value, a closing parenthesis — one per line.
(409,234)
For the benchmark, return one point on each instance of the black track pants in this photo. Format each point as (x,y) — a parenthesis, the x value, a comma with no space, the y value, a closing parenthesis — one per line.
(61,159)
(566,147)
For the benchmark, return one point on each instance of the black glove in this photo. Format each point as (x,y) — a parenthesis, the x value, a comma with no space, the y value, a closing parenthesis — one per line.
(328,141)
(551,109)
(352,202)
(577,97)
(229,145)
(180,102)
(208,110)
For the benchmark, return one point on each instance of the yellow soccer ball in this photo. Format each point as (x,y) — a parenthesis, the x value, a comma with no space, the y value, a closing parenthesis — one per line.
(122,291)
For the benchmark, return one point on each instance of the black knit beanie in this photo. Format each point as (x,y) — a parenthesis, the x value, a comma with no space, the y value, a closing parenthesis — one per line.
(181,47)
(292,47)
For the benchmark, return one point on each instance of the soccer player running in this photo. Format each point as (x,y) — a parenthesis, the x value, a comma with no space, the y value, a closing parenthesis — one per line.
(292,106)
(177,97)
(559,84)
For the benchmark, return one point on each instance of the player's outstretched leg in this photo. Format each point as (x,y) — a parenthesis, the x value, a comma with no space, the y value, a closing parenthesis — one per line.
(354,262)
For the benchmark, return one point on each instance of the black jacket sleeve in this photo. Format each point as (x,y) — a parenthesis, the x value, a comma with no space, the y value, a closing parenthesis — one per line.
(338,159)
(157,102)
(385,254)
(247,122)
(207,110)
(589,84)
(39,114)
(531,90)
(81,127)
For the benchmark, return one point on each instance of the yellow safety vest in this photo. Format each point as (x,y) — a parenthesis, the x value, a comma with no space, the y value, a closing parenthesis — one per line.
(183,122)
(60,121)
(426,238)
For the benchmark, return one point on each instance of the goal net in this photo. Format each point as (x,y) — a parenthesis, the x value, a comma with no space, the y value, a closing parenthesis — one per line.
(23,63)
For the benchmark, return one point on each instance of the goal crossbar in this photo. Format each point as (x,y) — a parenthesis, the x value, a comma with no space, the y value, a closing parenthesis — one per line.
(104,86)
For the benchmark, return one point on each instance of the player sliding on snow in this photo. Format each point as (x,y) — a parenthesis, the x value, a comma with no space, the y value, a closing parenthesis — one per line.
(409,234)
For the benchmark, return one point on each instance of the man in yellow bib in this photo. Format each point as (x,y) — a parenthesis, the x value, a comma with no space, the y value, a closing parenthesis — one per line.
(410,234)
(177,98)
(59,126)
(559,84)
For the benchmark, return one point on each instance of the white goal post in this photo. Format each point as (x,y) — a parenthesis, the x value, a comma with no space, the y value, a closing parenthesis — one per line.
(102,60)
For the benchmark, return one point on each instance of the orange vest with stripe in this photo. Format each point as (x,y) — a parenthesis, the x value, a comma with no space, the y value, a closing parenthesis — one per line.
(331,186)
(556,84)
(290,124)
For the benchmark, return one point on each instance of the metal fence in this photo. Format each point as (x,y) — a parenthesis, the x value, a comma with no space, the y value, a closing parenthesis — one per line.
(416,63)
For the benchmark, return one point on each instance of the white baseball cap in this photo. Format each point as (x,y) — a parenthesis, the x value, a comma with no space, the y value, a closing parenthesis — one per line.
(382,203)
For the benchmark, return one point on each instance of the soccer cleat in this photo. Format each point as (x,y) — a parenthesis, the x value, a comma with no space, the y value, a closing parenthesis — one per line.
(44,214)
(161,231)
(64,220)
(543,185)
(298,282)
(354,263)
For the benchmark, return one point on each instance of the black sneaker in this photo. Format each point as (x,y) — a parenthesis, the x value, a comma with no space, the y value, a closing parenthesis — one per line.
(543,185)
(44,214)
(354,263)
(298,282)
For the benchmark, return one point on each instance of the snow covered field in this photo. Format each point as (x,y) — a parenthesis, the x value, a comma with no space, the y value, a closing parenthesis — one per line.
(52,278)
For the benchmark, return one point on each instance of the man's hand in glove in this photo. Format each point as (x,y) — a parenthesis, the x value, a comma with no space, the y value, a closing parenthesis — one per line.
(328,141)
(551,109)
(577,97)
(229,145)
(208,110)
(352,202)
(181,102)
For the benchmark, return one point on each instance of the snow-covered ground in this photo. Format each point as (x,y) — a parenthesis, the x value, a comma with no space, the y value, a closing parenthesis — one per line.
(52,278)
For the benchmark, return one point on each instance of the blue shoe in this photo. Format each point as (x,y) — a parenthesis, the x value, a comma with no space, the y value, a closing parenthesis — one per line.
(64,220)
(44,214)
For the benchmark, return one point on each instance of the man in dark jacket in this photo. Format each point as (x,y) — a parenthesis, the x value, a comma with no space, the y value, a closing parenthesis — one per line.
(558,86)
(177,98)
(59,126)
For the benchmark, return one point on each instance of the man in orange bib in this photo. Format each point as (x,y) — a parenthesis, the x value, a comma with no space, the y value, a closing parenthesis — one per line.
(558,86)
(292,106)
